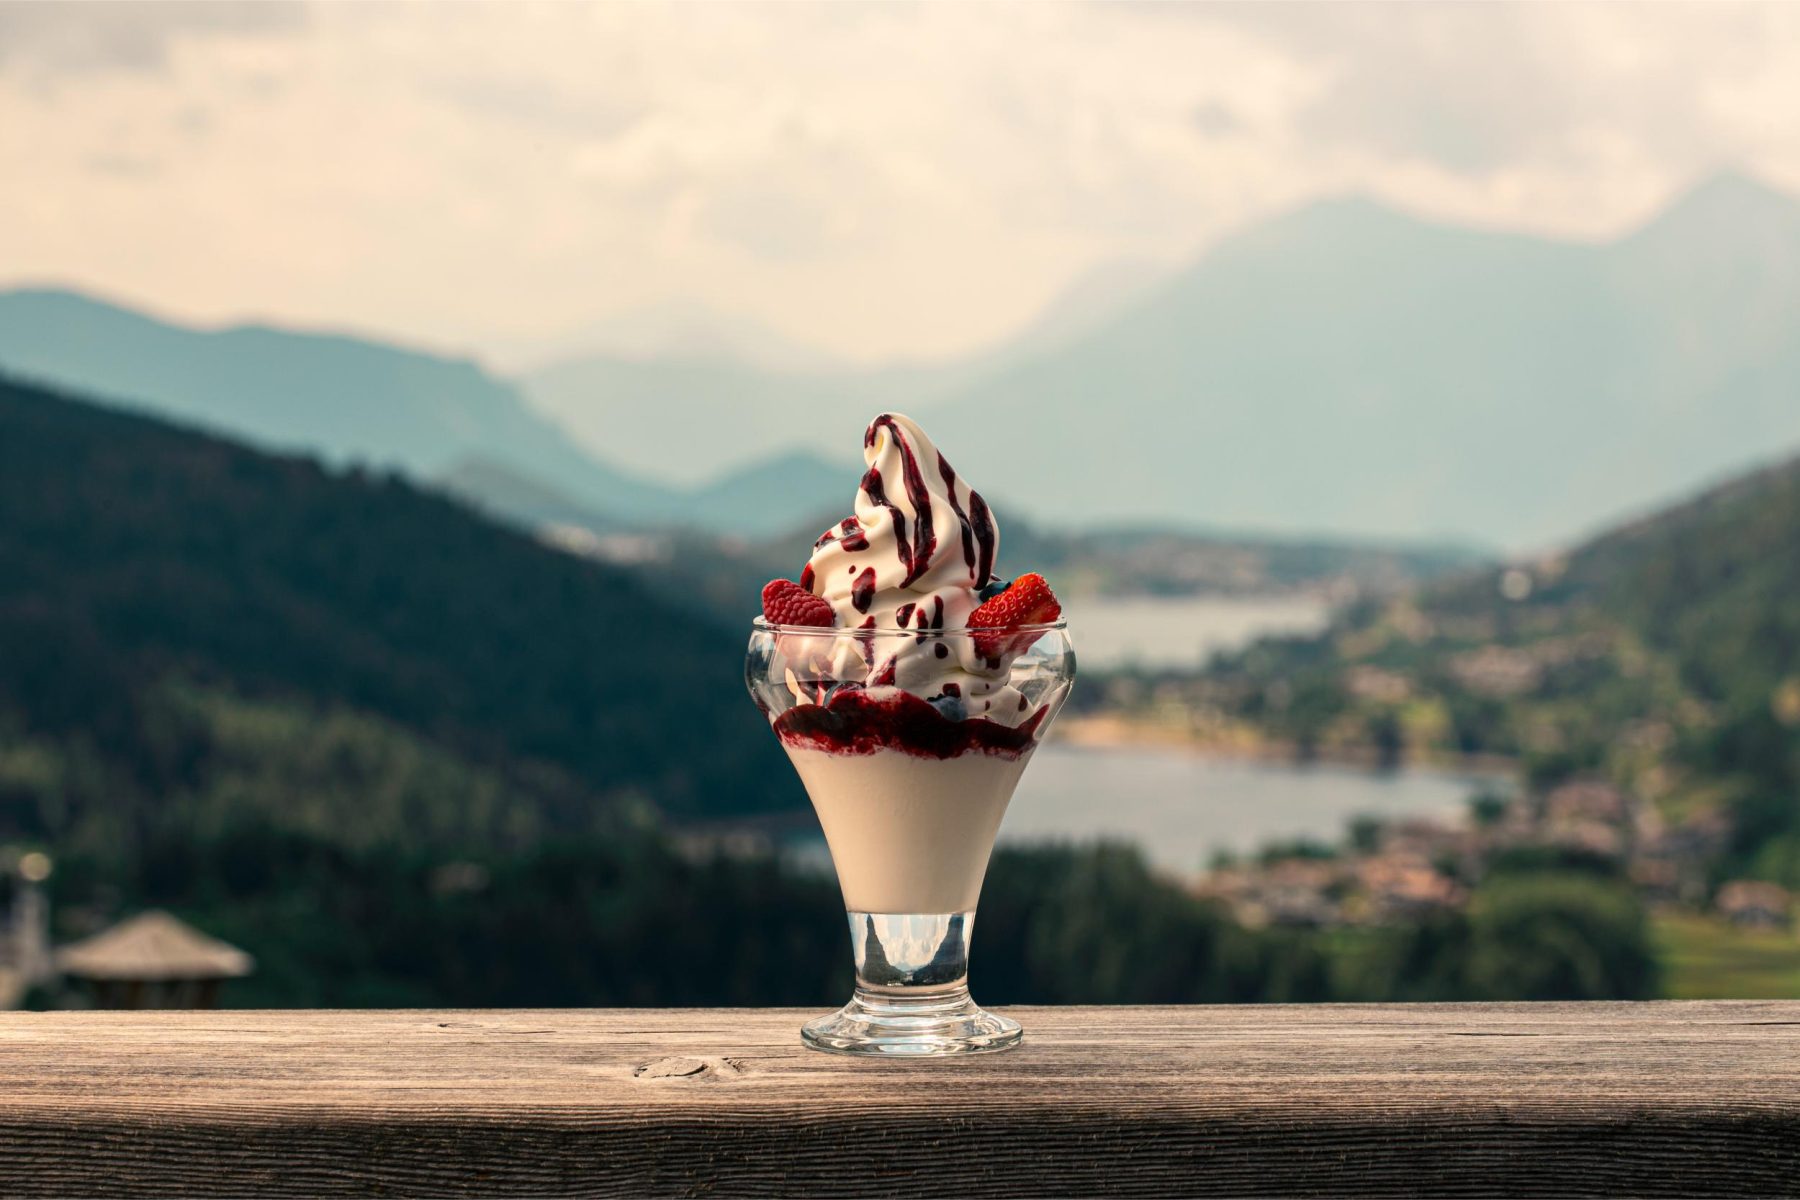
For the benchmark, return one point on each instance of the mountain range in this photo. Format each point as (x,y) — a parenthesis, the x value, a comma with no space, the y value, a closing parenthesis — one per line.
(776,496)
(1344,370)
(1348,368)
(715,403)
(350,399)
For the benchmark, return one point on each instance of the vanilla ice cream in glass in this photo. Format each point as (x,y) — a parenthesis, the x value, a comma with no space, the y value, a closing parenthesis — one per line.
(909,686)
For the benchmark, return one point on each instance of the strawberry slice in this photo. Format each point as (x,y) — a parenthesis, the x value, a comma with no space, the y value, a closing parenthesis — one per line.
(1029,601)
(787,603)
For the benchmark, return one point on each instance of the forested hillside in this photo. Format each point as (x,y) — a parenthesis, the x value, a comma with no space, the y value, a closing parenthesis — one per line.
(189,625)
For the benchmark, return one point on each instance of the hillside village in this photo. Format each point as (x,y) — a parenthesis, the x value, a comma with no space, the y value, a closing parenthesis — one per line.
(1400,871)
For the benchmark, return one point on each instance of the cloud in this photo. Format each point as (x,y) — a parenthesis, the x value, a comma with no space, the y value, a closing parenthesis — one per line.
(1479,88)
(119,35)
(774,222)
(122,164)
(1214,118)
(883,180)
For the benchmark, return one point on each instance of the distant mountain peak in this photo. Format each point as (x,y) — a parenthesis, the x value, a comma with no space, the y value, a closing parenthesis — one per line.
(1726,204)
(1094,297)
(342,396)
(1326,224)
(1736,187)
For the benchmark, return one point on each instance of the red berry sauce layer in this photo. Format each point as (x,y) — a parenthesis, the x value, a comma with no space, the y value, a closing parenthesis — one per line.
(852,722)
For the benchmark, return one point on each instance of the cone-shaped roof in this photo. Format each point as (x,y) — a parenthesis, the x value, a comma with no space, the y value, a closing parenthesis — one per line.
(153,946)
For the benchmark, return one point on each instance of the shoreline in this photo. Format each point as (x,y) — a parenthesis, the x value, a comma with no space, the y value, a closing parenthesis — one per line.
(1112,732)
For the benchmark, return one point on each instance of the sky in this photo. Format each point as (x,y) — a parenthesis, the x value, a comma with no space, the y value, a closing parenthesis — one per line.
(874,182)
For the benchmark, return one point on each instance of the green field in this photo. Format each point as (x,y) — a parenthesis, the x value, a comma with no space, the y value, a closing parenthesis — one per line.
(1706,959)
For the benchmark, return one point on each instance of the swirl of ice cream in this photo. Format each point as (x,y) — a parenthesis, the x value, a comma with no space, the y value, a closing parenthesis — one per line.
(915,554)
(918,532)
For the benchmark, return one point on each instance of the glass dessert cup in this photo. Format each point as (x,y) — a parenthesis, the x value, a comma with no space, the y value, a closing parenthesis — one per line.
(910,793)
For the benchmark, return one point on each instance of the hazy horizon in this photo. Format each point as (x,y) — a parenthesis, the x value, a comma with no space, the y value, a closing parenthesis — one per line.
(1671,371)
(694,331)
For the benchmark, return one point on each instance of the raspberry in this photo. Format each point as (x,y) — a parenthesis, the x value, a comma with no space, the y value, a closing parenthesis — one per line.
(1029,601)
(787,603)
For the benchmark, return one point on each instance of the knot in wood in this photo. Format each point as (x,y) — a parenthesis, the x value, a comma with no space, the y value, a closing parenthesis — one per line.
(681,1068)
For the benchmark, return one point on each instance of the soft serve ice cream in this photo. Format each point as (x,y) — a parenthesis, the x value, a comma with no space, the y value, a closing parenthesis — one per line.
(920,545)
(917,554)
(897,647)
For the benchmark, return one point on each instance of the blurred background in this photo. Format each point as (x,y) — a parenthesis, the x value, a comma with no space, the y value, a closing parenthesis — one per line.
(401,407)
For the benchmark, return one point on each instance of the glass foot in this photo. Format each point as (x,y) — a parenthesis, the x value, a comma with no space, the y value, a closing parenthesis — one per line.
(947,1022)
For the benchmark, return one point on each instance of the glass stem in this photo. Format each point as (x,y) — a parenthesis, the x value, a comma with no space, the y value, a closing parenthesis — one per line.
(911,954)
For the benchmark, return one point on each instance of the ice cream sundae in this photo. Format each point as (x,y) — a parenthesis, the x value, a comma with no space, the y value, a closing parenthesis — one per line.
(909,685)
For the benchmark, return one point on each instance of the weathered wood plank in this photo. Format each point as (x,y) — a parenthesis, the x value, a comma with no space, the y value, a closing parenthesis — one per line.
(1650,1099)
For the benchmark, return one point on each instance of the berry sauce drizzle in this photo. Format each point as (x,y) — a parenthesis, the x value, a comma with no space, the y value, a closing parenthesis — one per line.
(862,592)
(876,491)
(852,722)
(977,526)
(983,521)
(915,554)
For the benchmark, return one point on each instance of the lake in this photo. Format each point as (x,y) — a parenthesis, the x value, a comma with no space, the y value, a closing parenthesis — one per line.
(1181,808)
(1184,631)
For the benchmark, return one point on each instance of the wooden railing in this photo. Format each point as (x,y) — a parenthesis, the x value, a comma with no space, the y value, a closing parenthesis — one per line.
(1563,1099)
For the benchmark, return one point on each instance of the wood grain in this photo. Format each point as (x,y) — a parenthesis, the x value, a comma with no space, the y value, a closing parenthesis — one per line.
(1567,1099)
